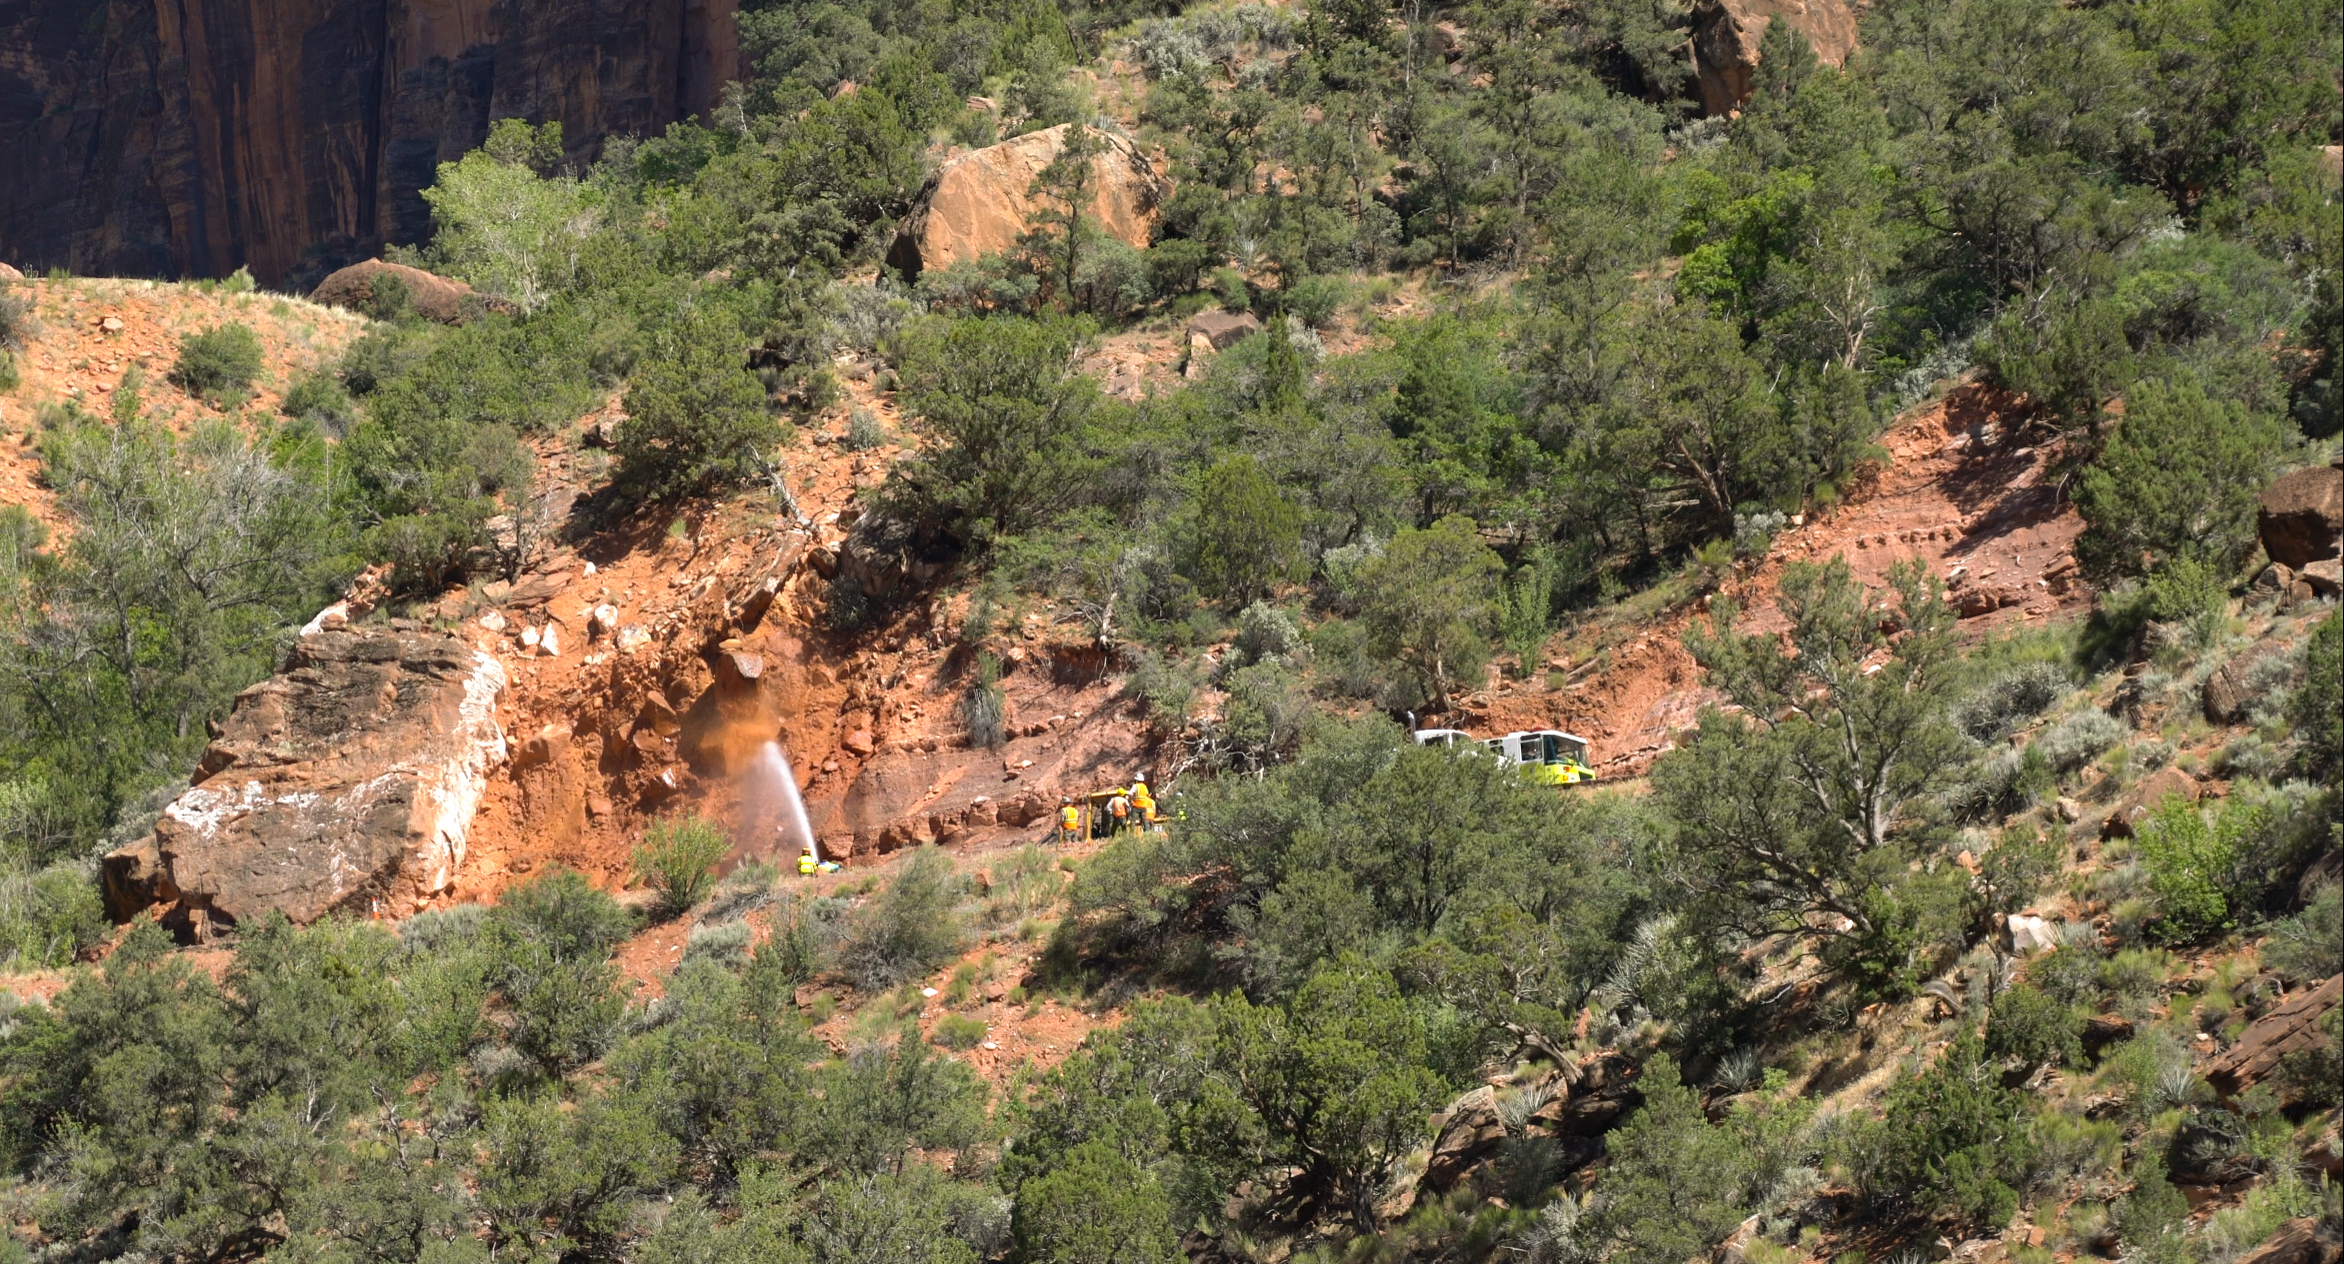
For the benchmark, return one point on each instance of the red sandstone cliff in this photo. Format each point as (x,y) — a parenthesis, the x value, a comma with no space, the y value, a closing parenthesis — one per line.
(188,137)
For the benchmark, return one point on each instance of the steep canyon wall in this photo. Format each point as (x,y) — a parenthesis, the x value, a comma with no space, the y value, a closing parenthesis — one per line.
(188,137)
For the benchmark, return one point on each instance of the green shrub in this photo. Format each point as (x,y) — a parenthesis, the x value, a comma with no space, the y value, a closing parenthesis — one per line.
(2177,480)
(220,363)
(2030,1028)
(1952,1139)
(381,356)
(847,607)
(2154,1209)
(696,417)
(48,915)
(1314,300)
(677,859)
(959,1031)
(318,398)
(1248,539)
(2319,722)
(438,932)
(388,298)
(2190,860)
(1167,687)
(1096,1207)
(562,911)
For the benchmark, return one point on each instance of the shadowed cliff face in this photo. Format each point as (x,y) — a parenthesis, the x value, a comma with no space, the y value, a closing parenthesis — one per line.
(187,137)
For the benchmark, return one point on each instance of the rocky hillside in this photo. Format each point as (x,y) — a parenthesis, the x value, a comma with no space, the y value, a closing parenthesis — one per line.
(413,700)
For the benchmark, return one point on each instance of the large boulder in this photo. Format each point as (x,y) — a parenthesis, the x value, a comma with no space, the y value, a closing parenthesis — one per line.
(978,203)
(1469,1131)
(1726,35)
(2227,694)
(435,297)
(349,778)
(2145,798)
(2302,515)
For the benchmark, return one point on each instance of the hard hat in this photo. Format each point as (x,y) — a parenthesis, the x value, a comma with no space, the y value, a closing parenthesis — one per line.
(1066,798)
(1140,777)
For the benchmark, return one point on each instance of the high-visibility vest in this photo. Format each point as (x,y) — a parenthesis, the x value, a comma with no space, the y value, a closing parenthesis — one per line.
(806,862)
(1142,800)
(1069,817)
(1119,805)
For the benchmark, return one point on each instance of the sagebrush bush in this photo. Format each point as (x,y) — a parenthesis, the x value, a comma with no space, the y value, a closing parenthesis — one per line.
(864,316)
(17,325)
(435,932)
(910,928)
(1266,632)
(2008,699)
(677,859)
(724,943)
(1028,881)
(2310,945)
(747,887)
(218,363)
(2002,782)
(2078,739)
(863,431)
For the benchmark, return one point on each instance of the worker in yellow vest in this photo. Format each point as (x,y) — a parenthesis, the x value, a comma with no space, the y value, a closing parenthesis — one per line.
(806,862)
(1143,804)
(1069,821)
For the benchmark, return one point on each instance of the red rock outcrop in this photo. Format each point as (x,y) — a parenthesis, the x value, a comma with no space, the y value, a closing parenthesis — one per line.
(1469,1131)
(188,139)
(2292,1026)
(976,204)
(2301,515)
(2302,1241)
(350,777)
(435,297)
(1726,34)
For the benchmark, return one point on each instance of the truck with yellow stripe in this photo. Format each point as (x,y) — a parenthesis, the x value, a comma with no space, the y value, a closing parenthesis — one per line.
(1548,756)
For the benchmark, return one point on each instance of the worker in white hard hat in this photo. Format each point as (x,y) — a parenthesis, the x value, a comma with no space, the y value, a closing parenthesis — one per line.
(1143,804)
